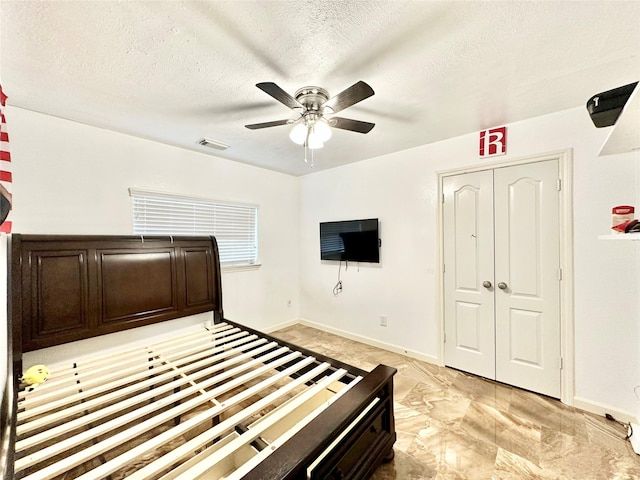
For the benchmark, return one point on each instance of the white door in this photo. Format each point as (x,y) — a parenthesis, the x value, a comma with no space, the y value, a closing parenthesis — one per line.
(527,265)
(468,253)
(516,256)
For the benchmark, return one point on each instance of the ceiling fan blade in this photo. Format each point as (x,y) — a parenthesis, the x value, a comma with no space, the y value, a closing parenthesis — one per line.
(352,95)
(352,125)
(256,126)
(279,94)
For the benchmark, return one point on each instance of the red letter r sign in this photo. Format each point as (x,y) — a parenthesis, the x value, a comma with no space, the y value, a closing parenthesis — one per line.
(493,142)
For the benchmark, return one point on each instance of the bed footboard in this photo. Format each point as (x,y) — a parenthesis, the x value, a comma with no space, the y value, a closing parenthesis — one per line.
(348,440)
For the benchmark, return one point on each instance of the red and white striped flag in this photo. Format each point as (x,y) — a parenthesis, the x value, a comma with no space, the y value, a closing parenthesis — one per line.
(5,171)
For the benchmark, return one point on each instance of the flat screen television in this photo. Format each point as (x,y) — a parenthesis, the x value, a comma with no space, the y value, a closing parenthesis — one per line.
(350,240)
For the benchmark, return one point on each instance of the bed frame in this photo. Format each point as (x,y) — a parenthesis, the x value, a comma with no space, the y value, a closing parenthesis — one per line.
(243,403)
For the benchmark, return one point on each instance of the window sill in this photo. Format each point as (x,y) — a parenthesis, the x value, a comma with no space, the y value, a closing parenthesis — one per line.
(240,268)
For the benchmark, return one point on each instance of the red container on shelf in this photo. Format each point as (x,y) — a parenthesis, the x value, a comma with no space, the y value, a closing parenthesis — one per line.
(621,214)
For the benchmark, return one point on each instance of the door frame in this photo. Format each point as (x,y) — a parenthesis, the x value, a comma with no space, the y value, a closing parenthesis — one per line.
(565,173)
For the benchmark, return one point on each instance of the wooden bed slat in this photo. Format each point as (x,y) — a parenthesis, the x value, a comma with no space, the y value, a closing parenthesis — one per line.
(111,356)
(164,371)
(290,431)
(210,434)
(159,404)
(130,400)
(223,468)
(116,359)
(94,386)
(194,444)
(102,447)
(202,467)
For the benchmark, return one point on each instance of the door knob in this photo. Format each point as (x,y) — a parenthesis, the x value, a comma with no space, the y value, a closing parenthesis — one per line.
(486,284)
(502,286)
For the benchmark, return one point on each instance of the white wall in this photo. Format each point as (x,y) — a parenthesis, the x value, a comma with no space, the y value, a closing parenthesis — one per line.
(70,178)
(401,190)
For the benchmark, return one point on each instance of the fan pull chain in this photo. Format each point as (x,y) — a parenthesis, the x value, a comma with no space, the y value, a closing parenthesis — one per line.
(306,157)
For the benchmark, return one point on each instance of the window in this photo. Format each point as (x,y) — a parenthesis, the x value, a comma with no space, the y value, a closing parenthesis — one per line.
(234,225)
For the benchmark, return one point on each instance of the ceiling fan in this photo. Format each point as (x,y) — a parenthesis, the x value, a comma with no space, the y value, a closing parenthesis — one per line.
(316,109)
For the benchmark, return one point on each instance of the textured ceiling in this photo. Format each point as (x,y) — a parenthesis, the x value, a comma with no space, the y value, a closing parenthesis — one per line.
(177,71)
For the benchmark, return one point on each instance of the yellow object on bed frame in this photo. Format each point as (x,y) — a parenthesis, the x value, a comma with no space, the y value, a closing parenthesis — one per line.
(34,376)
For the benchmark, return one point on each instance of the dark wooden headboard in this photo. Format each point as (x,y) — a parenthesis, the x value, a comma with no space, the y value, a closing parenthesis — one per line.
(67,288)
(64,288)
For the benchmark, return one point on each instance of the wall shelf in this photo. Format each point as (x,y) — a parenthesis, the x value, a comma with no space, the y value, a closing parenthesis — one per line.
(620,237)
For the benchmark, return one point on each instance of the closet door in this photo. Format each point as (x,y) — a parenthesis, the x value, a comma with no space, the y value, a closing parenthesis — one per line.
(527,273)
(501,275)
(468,258)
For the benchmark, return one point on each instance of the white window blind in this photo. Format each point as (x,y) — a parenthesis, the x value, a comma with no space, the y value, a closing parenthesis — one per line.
(235,226)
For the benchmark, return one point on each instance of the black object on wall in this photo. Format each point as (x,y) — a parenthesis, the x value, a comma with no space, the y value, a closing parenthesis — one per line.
(351,240)
(5,206)
(605,108)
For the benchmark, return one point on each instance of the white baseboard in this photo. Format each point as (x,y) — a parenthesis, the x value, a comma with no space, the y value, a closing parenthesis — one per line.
(602,409)
(370,341)
(280,326)
(352,336)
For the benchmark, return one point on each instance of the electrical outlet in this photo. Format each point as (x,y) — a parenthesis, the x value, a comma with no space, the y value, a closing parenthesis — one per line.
(383,320)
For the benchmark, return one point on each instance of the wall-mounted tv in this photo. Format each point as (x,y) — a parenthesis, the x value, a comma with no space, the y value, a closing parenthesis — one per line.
(350,240)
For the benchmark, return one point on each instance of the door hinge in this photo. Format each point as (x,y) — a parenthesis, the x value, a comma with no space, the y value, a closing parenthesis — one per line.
(445,337)
(561,363)
(559,184)
(559,274)
(443,198)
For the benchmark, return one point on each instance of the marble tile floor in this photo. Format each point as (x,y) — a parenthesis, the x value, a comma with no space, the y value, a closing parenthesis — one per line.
(452,426)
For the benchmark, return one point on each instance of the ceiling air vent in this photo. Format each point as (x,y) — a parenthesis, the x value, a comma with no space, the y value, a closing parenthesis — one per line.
(205,142)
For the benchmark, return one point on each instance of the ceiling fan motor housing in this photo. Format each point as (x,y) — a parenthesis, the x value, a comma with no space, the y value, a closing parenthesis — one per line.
(312,98)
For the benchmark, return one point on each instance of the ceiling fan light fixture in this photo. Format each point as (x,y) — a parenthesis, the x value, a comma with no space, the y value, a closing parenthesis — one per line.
(299,133)
(322,130)
(311,129)
(314,141)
